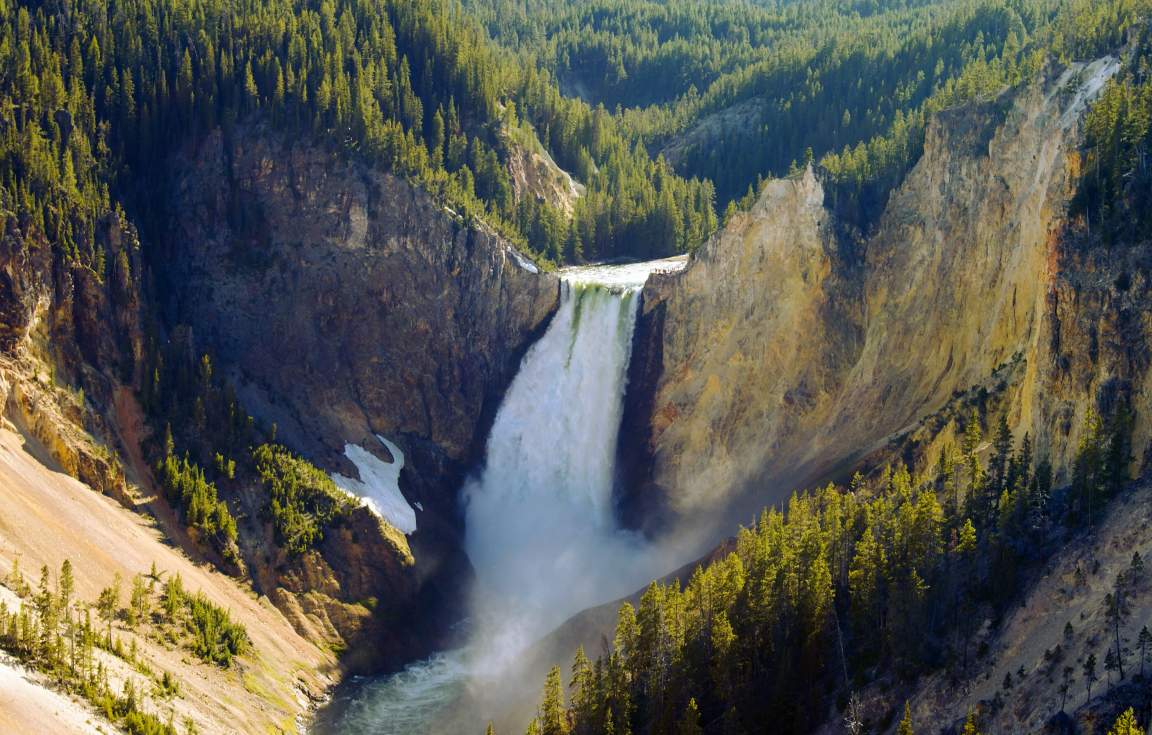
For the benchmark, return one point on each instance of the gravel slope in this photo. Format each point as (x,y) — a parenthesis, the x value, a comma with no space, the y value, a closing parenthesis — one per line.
(46,516)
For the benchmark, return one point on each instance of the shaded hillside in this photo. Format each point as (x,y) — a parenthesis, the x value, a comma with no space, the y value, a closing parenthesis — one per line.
(344,304)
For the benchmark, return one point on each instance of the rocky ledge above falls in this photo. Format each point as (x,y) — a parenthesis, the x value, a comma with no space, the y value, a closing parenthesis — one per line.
(346,303)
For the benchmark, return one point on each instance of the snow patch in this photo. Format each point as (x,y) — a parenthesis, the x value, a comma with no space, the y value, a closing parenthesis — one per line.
(379,484)
(523,262)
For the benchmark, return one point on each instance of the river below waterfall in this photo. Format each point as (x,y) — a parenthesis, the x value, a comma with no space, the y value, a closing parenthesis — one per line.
(539,526)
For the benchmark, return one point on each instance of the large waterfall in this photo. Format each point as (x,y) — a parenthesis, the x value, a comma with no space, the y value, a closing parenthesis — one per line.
(539,524)
(540,529)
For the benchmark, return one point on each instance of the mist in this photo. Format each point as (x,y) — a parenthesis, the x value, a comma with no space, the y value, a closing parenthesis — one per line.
(540,528)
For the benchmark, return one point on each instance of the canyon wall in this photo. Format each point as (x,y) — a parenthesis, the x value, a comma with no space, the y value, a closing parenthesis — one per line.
(342,303)
(783,354)
(345,303)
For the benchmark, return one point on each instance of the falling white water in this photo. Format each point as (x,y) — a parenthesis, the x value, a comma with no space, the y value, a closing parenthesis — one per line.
(540,528)
(539,524)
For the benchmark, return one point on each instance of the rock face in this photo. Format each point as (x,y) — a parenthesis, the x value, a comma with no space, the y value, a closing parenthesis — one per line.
(345,303)
(348,296)
(722,340)
(342,303)
(535,175)
(779,356)
(68,337)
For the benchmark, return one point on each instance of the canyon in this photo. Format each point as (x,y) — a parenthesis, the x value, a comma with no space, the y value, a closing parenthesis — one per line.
(347,308)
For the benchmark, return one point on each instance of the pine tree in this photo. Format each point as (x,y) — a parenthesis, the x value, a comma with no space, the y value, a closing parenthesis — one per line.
(553,718)
(138,605)
(67,584)
(865,577)
(690,720)
(1001,457)
(1086,470)
(905,726)
(1126,724)
(108,603)
(584,699)
(976,481)
(1116,612)
(1090,676)
(1065,685)
(1144,641)
(44,599)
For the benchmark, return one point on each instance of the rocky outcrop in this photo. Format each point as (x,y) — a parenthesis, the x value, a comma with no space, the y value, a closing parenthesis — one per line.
(535,175)
(349,300)
(781,356)
(345,303)
(728,331)
(69,334)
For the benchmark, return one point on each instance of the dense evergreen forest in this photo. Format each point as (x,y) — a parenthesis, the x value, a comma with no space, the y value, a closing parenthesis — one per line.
(887,575)
(97,94)
(738,91)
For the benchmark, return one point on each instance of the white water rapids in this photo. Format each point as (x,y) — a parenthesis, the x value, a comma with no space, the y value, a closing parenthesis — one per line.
(539,524)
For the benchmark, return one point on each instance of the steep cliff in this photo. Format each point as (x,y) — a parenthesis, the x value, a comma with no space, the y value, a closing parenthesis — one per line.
(345,303)
(783,353)
(68,337)
(71,338)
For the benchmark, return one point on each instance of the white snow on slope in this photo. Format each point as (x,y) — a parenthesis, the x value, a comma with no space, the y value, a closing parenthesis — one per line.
(379,484)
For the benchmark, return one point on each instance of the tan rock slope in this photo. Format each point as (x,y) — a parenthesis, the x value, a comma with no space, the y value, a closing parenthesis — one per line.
(536,175)
(1034,640)
(47,516)
(783,353)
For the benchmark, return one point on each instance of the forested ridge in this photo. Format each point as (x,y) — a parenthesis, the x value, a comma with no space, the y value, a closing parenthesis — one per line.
(97,95)
(735,92)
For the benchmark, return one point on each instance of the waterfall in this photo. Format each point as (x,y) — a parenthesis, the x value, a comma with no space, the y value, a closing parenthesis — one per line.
(540,529)
(539,524)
